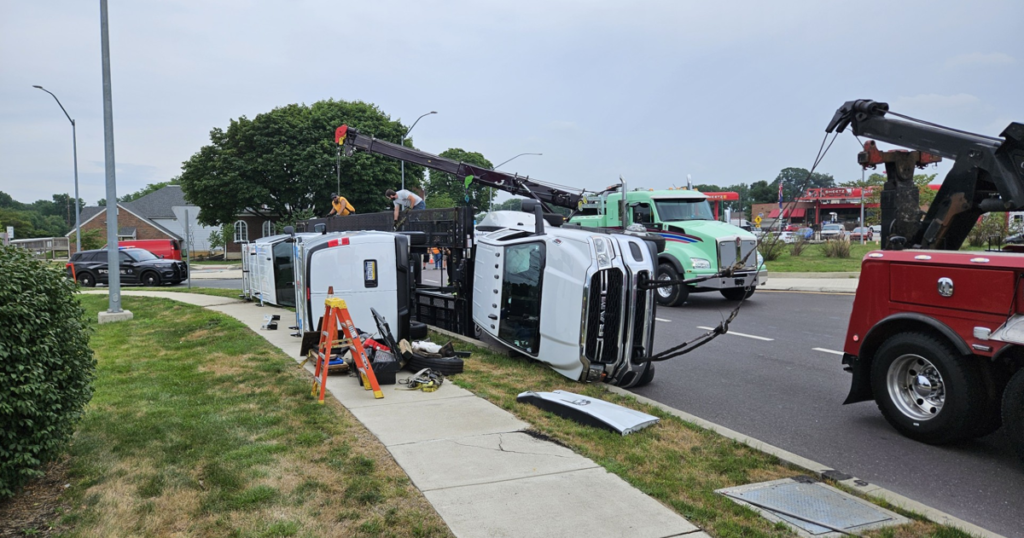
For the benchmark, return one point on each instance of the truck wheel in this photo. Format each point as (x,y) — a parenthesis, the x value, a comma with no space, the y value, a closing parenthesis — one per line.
(1013,412)
(738,294)
(925,390)
(87,280)
(670,295)
(150,279)
(444,365)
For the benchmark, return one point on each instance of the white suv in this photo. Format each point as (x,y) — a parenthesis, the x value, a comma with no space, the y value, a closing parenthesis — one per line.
(832,231)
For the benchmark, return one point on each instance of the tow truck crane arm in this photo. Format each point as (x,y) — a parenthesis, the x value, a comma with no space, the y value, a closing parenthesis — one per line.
(988,174)
(510,183)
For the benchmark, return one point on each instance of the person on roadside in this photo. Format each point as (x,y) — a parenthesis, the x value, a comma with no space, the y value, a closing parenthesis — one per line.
(437,258)
(405,199)
(340,206)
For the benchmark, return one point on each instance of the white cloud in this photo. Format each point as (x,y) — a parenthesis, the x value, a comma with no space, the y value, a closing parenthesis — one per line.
(979,59)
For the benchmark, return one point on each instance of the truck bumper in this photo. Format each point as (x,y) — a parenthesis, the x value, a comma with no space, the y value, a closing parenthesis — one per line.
(740,280)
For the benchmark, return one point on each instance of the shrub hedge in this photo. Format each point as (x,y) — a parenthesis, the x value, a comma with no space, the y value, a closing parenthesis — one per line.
(46,366)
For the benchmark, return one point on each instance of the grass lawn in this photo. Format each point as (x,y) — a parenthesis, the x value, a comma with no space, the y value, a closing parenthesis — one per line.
(813,260)
(200,427)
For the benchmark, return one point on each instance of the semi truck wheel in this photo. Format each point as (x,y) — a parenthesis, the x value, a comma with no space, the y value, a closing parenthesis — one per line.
(738,294)
(1013,412)
(670,295)
(925,390)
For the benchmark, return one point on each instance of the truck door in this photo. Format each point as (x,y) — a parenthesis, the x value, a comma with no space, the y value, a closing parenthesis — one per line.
(487,287)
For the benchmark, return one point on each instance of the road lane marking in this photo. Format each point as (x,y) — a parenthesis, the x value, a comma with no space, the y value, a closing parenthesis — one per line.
(823,350)
(741,334)
(665,320)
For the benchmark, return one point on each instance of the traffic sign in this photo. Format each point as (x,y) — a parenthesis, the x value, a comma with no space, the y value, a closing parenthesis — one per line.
(757,220)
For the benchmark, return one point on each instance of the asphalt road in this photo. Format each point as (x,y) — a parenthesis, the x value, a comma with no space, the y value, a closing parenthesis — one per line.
(777,377)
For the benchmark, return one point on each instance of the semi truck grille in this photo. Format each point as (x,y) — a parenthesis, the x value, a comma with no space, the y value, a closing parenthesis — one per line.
(735,249)
(604,317)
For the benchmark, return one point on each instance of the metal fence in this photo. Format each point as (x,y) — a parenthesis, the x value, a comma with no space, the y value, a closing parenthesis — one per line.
(45,248)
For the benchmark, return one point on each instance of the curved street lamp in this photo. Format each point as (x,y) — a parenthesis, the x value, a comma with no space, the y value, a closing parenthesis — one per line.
(402,141)
(491,206)
(74,146)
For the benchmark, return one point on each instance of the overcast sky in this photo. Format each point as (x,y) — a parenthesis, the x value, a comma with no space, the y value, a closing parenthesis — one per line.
(728,92)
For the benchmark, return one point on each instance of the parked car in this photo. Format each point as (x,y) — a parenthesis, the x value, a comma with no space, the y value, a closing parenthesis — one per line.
(787,237)
(876,229)
(806,233)
(138,266)
(860,231)
(832,231)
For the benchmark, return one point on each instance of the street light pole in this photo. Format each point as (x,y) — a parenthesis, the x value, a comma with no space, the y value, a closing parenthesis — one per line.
(862,223)
(74,148)
(402,141)
(491,204)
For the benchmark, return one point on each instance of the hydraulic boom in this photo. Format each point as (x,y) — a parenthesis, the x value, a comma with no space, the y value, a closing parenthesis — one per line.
(988,175)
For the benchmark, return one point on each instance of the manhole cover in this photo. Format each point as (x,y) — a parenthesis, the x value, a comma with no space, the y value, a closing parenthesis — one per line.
(812,508)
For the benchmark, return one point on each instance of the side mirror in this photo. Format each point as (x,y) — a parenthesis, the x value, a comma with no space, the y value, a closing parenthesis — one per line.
(290,230)
(320,228)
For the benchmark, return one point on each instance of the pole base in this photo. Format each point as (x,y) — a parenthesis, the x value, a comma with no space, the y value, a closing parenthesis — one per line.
(113,317)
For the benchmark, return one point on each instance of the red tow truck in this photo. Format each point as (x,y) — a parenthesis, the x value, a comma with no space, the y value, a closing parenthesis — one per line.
(936,336)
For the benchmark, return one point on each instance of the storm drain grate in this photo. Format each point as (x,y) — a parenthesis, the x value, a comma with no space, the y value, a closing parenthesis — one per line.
(812,508)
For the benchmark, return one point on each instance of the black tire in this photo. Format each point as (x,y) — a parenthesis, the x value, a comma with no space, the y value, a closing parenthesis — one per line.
(926,390)
(670,295)
(445,365)
(1013,412)
(87,280)
(149,278)
(738,294)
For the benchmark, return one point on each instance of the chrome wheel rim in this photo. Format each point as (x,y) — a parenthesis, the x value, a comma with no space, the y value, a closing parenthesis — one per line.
(916,387)
(666,291)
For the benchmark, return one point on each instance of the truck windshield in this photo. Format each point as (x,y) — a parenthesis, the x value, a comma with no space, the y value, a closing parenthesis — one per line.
(520,296)
(683,209)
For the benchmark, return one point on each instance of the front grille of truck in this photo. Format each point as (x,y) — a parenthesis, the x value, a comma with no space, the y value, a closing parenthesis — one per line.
(640,315)
(604,317)
(729,253)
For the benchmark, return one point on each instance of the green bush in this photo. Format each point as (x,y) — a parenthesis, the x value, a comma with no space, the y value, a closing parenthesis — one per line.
(798,248)
(46,366)
(836,248)
(770,246)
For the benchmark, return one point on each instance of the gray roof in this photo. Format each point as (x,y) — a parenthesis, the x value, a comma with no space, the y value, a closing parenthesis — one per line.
(158,204)
(89,212)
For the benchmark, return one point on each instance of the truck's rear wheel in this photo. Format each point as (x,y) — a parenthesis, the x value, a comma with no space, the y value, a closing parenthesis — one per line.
(670,295)
(925,390)
(738,294)
(1013,412)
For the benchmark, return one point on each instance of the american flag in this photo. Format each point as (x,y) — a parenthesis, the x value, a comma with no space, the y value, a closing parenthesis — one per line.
(780,194)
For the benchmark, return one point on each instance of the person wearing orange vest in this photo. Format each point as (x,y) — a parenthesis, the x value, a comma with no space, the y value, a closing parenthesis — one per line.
(341,206)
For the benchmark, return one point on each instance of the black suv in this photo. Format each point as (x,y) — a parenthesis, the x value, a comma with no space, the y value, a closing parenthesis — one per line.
(138,266)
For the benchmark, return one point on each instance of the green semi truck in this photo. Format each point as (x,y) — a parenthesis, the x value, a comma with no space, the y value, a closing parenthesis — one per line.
(696,244)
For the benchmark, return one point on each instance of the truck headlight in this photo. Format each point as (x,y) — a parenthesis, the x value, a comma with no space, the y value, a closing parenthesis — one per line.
(604,250)
(700,263)
(760,259)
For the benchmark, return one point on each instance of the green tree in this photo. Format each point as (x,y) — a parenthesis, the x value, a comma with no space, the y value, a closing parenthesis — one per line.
(283,162)
(795,181)
(454,189)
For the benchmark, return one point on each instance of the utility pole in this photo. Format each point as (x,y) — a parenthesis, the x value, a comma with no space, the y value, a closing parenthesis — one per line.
(114,312)
(862,223)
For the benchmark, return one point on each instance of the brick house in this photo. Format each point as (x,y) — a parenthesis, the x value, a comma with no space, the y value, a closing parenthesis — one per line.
(158,215)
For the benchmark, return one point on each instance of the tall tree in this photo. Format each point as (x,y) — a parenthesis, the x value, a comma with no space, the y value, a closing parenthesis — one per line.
(454,189)
(795,179)
(283,163)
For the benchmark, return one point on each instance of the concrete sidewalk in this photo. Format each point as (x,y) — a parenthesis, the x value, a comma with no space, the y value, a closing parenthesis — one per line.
(471,459)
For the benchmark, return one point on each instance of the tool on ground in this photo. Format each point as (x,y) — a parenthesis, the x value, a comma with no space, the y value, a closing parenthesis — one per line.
(336,316)
(270,322)
(426,380)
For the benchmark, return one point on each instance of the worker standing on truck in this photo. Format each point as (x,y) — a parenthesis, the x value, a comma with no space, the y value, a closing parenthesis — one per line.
(404,198)
(340,206)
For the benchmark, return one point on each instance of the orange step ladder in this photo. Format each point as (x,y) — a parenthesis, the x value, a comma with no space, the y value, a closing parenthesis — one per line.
(337,316)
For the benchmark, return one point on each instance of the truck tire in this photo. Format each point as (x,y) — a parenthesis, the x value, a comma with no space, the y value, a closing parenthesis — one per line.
(87,280)
(444,365)
(670,295)
(1013,412)
(925,390)
(738,294)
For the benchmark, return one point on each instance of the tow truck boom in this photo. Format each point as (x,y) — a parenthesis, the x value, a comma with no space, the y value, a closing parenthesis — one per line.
(988,175)
(510,183)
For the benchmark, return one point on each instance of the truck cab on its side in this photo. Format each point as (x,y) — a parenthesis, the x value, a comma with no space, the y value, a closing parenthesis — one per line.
(529,280)
(695,243)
